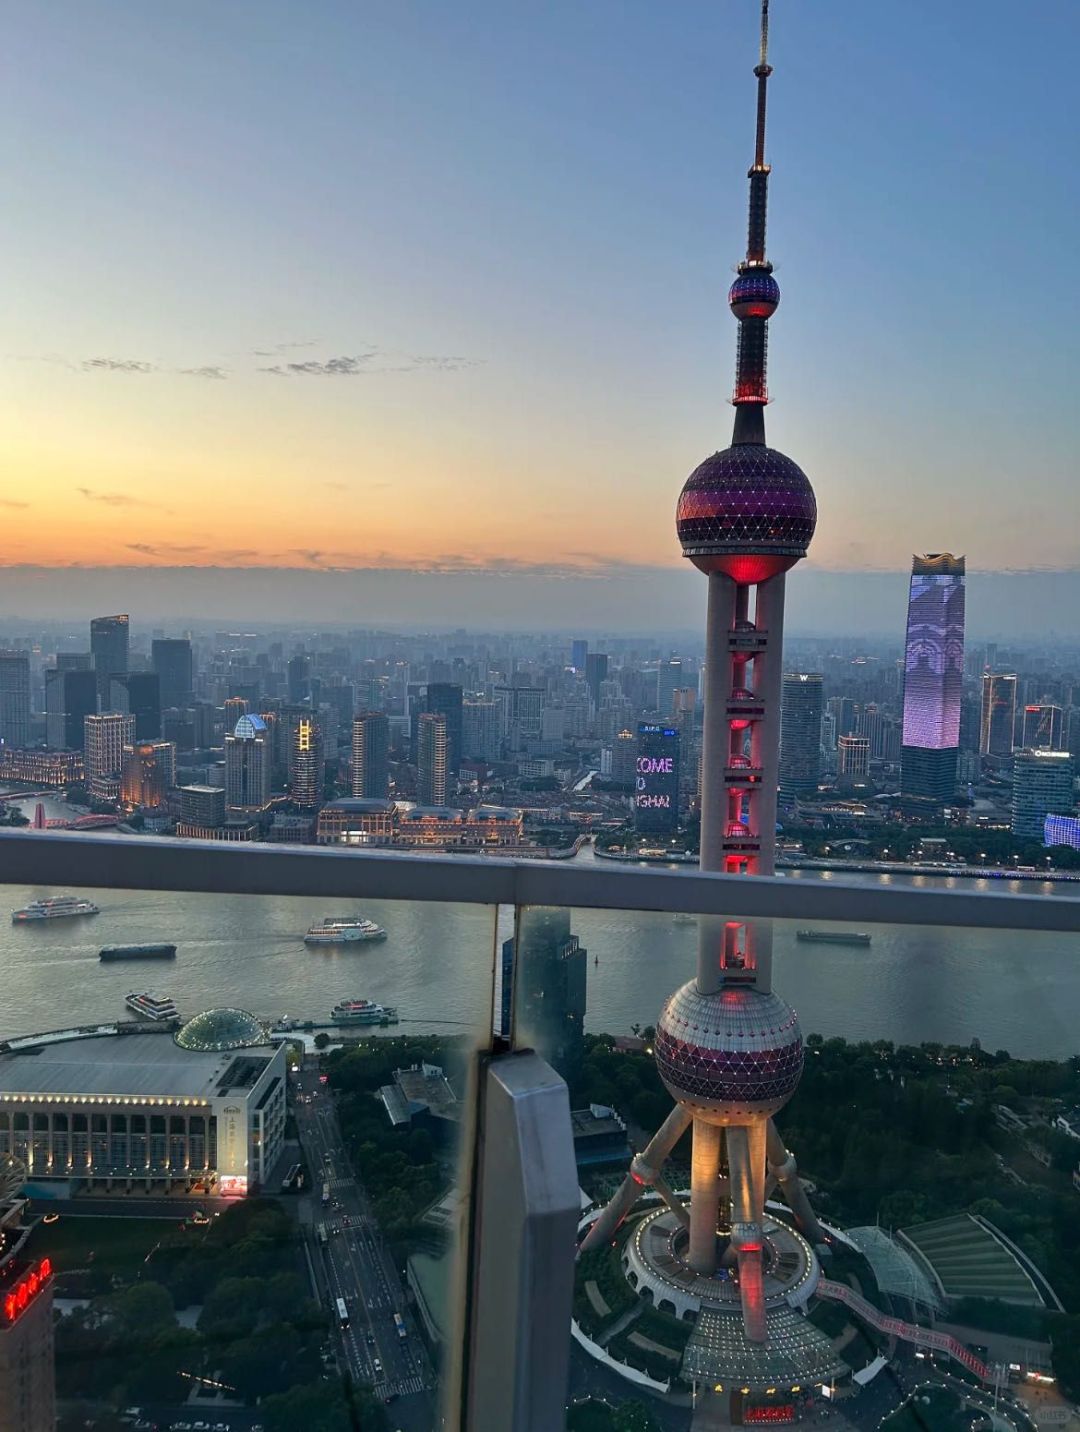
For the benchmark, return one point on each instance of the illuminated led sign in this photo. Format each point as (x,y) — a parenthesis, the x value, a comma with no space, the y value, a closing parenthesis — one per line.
(772,1412)
(17,1299)
(656,781)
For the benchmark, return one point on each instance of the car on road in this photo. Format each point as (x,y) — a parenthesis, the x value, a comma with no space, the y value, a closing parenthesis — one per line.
(376,1363)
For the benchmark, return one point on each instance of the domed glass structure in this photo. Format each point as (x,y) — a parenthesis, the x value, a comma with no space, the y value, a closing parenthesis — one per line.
(754,294)
(216,1029)
(248,727)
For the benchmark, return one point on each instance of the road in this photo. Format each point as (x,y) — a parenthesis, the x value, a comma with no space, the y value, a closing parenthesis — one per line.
(353,1263)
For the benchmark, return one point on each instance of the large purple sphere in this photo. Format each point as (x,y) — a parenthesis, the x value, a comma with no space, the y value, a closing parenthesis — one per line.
(730,1057)
(754,294)
(748,511)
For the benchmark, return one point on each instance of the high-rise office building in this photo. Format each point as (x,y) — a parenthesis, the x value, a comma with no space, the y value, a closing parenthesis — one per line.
(371,755)
(27,1376)
(800,733)
(480,739)
(431,758)
(144,778)
(444,699)
(596,669)
(1043,784)
(170,658)
(138,694)
(248,764)
(624,759)
(933,678)
(106,736)
(852,761)
(299,679)
(109,648)
(669,679)
(70,696)
(306,766)
(656,779)
(997,724)
(842,710)
(549,997)
(728,1048)
(579,650)
(1043,727)
(14,700)
(74,661)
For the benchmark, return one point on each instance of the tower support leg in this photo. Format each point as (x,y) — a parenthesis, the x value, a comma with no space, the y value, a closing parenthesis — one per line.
(704,1198)
(644,1170)
(783,1168)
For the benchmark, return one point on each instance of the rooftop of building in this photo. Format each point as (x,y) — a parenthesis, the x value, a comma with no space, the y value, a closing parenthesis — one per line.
(968,1257)
(361,805)
(125,1066)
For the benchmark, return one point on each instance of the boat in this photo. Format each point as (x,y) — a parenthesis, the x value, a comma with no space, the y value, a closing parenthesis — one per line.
(59,907)
(343,930)
(363,1011)
(137,952)
(833,937)
(152,1006)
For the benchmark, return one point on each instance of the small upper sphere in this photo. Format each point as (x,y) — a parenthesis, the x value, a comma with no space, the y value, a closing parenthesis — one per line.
(754,294)
(748,511)
(729,1057)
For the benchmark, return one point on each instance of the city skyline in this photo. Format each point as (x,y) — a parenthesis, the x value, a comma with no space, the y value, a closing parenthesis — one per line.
(455,280)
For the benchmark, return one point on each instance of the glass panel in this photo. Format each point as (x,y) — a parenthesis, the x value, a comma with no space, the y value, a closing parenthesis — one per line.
(888,1181)
(277,1088)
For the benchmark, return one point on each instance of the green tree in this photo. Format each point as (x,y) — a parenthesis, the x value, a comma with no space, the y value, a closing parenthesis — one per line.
(314,1406)
(322,1040)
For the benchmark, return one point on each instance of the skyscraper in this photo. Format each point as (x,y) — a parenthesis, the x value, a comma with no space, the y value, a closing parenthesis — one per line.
(248,763)
(431,758)
(800,733)
(371,755)
(656,779)
(596,666)
(1043,728)
(306,774)
(727,1047)
(997,722)
(171,659)
(103,753)
(109,648)
(143,778)
(138,694)
(579,649)
(549,1000)
(853,761)
(14,700)
(299,678)
(70,696)
(669,678)
(1042,785)
(444,699)
(480,737)
(933,678)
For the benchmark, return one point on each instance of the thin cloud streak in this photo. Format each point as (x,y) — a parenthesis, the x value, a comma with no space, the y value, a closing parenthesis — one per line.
(116,499)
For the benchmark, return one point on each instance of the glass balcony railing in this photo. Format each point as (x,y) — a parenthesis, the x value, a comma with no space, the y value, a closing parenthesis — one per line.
(449,1168)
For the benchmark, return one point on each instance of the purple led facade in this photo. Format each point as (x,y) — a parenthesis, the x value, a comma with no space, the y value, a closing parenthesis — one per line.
(1062,830)
(934,654)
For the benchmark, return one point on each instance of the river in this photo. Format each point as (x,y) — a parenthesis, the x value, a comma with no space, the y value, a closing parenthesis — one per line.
(1010,990)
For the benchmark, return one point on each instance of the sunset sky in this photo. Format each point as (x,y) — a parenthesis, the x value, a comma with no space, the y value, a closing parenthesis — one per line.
(398,283)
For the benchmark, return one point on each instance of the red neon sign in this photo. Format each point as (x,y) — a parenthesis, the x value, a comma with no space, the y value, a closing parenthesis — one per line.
(771,1412)
(18,1299)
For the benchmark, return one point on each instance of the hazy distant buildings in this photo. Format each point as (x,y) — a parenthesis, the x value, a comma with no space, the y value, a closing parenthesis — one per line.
(106,736)
(370,771)
(171,660)
(480,733)
(596,668)
(933,678)
(14,700)
(579,650)
(800,733)
(109,648)
(431,759)
(298,675)
(70,696)
(138,694)
(997,723)
(1042,786)
(249,760)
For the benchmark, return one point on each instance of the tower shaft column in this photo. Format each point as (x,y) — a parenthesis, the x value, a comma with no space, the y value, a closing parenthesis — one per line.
(765,752)
(704,1198)
(716,743)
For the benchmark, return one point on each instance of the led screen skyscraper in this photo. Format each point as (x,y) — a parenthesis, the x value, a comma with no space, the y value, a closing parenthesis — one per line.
(656,782)
(933,678)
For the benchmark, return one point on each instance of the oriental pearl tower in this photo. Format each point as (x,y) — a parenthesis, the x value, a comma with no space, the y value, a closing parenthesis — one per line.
(728,1048)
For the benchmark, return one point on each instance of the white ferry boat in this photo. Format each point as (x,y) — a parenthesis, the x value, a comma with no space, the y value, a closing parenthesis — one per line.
(151,1005)
(59,907)
(344,930)
(363,1011)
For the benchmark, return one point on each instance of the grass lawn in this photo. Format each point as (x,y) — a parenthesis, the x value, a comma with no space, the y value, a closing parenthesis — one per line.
(119,1245)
